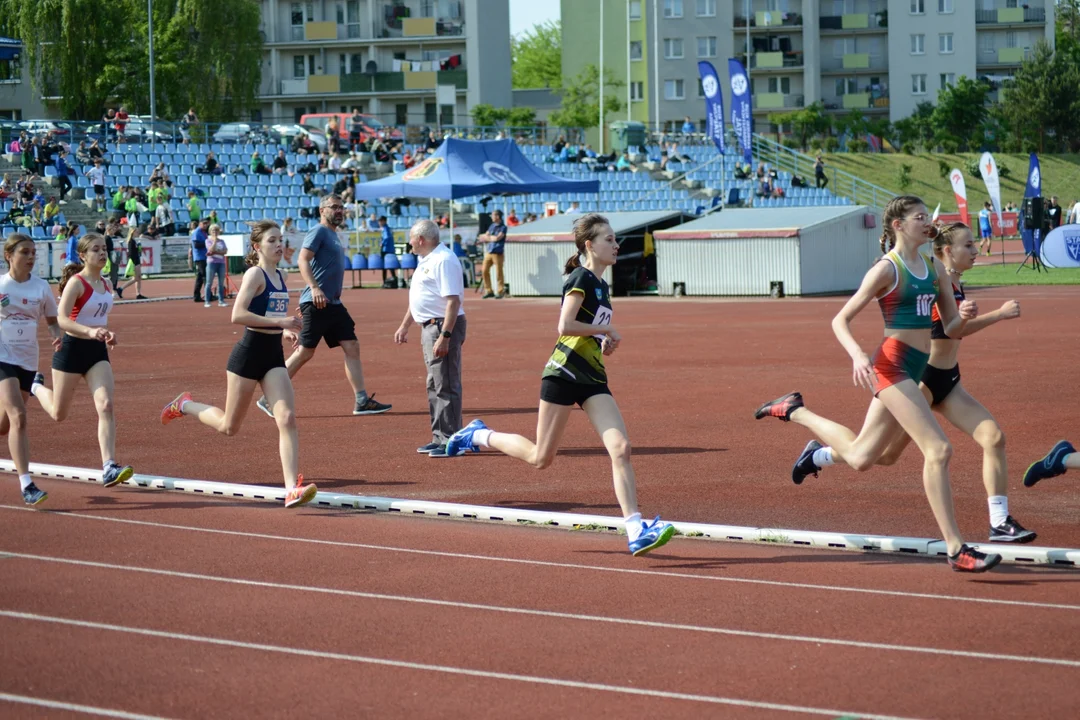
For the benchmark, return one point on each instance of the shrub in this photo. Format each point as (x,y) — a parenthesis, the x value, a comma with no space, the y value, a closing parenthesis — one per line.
(903,177)
(790,143)
(943,168)
(830,144)
(858,145)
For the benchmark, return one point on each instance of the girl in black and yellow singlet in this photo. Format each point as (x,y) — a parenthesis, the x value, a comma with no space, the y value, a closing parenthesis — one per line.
(906,286)
(575,375)
(955,247)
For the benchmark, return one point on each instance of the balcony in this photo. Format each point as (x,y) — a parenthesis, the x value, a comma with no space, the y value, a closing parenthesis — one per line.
(397,20)
(853,23)
(853,63)
(777,101)
(407,28)
(775,61)
(1003,57)
(379,82)
(869,101)
(1010,16)
(769,20)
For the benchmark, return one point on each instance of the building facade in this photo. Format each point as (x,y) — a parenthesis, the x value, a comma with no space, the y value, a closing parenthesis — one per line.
(407,62)
(880,57)
(18,98)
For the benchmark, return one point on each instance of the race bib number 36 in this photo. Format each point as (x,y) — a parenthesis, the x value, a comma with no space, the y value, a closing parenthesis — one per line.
(277,306)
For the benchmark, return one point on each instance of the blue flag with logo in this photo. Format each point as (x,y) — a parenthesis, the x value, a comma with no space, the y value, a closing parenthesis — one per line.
(742,116)
(1034,178)
(714,104)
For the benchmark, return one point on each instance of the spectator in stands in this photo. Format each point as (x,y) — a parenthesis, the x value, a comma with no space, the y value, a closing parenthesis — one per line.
(40,159)
(302,145)
(197,257)
(323,162)
(495,237)
(356,127)
(334,164)
(165,217)
(624,163)
(121,124)
(575,207)
(189,119)
(512,219)
(213,218)
(688,127)
(210,167)
(761,172)
(82,156)
(433,142)
(107,124)
(281,164)
(194,206)
(111,233)
(820,180)
(160,172)
(7,186)
(311,189)
(559,146)
(62,172)
(351,163)
(50,213)
(387,248)
(153,230)
(36,216)
(132,207)
(215,265)
(97,179)
(28,157)
(531,217)
(333,135)
(258,166)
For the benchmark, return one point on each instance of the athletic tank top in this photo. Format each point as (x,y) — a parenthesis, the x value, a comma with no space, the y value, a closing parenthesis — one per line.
(93,307)
(908,304)
(272,302)
(937,330)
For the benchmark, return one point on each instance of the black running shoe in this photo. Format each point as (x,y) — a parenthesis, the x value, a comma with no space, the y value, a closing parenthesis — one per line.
(1050,466)
(971,560)
(1011,531)
(781,407)
(805,464)
(371,407)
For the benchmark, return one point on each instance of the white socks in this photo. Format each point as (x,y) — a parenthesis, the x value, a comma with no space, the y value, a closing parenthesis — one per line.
(26,482)
(823,457)
(999,509)
(481,438)
(34,387)
(182,406)
(633,527)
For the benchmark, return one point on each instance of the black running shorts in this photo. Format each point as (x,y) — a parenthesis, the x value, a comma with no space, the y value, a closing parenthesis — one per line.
(332,324)
(78,355)
(559,391)
(940,382)
(256,354)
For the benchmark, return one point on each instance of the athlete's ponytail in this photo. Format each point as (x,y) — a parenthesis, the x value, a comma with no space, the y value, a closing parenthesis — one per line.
(584,230)
(946,235)
(897,209)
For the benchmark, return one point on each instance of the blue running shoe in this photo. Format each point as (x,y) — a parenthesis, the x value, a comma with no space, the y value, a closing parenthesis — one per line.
(1050,466)
(33,495)
(653,535)
(461,442)
(116,475)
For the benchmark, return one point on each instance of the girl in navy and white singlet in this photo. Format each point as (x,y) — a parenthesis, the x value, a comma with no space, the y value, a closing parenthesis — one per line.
(262,306)
(86,299)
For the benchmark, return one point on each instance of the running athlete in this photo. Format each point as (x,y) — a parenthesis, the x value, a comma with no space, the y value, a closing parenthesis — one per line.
(25,298)
(134,248)
(1061,458)
(85,303)
(905,284)
(955,247)
(575,374)
(986,230)
(262,306)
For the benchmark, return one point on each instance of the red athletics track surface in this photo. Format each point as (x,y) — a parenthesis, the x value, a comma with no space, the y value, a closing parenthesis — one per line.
(688,377)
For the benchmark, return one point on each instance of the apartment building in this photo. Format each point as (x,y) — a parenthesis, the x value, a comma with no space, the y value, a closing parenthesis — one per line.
(404,61)
(880,57)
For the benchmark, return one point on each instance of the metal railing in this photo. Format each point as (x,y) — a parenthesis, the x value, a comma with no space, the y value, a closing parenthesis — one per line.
(1031,15)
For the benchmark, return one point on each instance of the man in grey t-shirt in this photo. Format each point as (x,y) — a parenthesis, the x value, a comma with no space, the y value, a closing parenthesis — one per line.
(322,265)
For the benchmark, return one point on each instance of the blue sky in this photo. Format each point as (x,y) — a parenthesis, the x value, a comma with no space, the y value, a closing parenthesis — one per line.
(526,13)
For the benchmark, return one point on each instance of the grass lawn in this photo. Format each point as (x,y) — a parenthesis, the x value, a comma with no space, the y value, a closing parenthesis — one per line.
(1007,275)
(1060,176)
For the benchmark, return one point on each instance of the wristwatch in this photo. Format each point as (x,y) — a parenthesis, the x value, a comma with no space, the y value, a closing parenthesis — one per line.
(445,334)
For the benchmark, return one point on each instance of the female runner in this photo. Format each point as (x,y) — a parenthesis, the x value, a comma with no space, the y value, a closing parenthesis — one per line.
(955,247)
(24,299)
(262,306)
(575,374)
(134,248)
(905,285)
(85,303)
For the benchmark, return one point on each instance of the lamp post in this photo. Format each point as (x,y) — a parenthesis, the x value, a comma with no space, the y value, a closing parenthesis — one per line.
(601,69)
(153,101)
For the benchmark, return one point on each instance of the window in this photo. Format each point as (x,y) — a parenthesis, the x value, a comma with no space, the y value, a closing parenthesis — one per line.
(780,85)
(673,90)
(947,80)
(299,13)
(352,18)
(918,84)
(986,44)
(843,46)
(843,7)
(706,8)
(637,91)
(673,49)
(1010,39)
(343,67)
(401,114)
(776,5)
(701,89)
(945,6)
(635,9)
(311,65)
(356,63)
(298,67)
(673,8)
(918,44)
(846,86)
(706,47)
(431,113)
(635,49)
(918,7)
(945,43)
(10,72)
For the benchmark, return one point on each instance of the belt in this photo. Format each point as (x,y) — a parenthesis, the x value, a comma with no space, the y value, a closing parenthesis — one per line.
(432,321)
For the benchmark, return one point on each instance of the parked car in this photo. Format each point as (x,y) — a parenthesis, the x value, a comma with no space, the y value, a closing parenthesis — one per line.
(141,129)
(284,135)
(240,133)
(371,126)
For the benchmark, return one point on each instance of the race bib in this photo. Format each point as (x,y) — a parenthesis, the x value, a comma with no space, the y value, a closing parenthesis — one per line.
(277,306)
(18,331)
(602,317)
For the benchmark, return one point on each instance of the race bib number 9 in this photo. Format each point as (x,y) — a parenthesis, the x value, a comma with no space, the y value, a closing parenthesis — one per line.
(18,332)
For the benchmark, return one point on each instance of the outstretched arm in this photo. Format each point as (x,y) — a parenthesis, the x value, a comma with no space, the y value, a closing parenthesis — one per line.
(1008,311)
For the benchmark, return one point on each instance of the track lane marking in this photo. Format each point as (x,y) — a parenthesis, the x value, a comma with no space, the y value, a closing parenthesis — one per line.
(74,707)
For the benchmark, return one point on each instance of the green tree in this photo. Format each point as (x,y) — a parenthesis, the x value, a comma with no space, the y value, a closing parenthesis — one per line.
(537,57)
(1041,102)
(806,123)
(485,115)
(581,99)
(1067,28)
(959,119)
(521,117)
(916,131)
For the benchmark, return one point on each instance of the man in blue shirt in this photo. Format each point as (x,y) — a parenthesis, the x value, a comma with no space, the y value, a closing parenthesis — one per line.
(197,255)
(322,265)
(387,248)
(495,237)
(62,172)
(688,126)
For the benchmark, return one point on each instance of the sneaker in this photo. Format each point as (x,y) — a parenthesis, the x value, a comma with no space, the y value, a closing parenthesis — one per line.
(116,475)
(264,406)
(652,536)
(781,407)
(440,452)
(120,292)
(39,379)
(222,303)
(1050,466)
(430,447)
(301,494)
(206,304)
(805,464)
(33,495)
(973,561)
(1011,531)
(371,407)
(141,297)
(487,296)
(172,411)
(462,441)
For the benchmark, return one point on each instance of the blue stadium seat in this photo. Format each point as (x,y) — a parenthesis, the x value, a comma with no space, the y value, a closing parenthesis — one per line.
(390,262)
(359,262)
(408,261)
(375,262)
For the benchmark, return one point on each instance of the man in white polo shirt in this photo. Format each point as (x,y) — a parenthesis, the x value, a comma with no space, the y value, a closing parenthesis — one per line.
(435,296)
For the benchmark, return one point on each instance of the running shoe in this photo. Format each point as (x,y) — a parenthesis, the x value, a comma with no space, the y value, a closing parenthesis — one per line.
(969,559)
(653,535)
(264,406)
(33,495)
(39,379)
(371,407)
(781,407)
(120,293)
(141,297)
(429,448)
(805,464)
(440,452)
(301,494)
(1011,531)
(1050,466)
(222,303)
(206,304)
(461,442)
(172,411)
(116,475)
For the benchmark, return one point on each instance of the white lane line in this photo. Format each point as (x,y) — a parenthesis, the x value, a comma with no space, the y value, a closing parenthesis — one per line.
(563,566)
(447,669)
(555,614)
(73,707)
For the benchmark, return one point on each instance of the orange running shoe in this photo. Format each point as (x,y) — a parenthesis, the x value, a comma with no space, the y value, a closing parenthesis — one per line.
(172,411)
(301,494)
